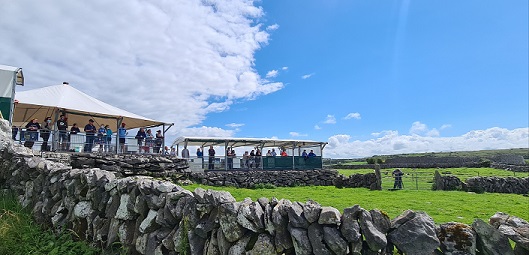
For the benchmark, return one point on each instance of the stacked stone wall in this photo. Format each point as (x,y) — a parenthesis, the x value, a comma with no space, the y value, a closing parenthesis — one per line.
(482,184)
(149,216)
(508,167)
(283,178)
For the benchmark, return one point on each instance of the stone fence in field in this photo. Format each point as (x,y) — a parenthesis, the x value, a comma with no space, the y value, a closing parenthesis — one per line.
(511,162)
(480,184)
(149,216)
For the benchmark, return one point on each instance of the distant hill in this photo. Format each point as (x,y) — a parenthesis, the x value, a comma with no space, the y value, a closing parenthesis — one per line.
(484,154)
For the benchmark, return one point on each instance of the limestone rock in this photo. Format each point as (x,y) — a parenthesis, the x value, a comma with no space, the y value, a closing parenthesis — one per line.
(300,240)
(329,216)
(263,246)
(334,240)
(315,233)
(456,238)
(415,236)
(350,228)
(312,210)
(295,216)
(228,221)
(250,216)
(490,240)
(375,239)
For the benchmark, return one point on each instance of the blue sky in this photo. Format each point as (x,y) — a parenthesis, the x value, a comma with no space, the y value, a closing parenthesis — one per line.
(369,77)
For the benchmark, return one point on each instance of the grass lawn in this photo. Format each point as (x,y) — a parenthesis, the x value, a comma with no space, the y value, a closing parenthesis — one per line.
(20,235)
(442,206)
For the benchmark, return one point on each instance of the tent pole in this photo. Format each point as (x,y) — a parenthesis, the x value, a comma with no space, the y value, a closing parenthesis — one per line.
(118,123)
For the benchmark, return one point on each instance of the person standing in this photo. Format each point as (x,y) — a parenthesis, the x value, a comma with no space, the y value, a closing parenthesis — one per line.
(122,134)
(90,131)
(258,158)
(397,174)
(149,141)
(140,136)
(211,154)
(273,153)
(101,137)
(108,138)
(229,154)
(45,134)
(32,128)
(199,153)
(62,126)
(158,141)
(185,152)
(73,134)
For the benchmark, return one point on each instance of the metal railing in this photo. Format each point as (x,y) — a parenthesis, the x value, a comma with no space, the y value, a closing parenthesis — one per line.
(64,141)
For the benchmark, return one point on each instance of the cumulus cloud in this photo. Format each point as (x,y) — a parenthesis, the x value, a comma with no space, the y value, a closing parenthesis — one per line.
(206,132)
(272,73)
(391,142)
(419,128)
(272,27)
(330,119)
(317,127)
(188,58)
(306,76)
(353,115)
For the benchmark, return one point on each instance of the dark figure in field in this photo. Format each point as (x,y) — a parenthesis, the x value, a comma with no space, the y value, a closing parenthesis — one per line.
(397,174)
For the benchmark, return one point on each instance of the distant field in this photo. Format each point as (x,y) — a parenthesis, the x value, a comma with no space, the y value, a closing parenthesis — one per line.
(423,178)
(442,206)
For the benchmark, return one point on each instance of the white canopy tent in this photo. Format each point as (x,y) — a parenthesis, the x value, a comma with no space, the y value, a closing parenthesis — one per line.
(77,106)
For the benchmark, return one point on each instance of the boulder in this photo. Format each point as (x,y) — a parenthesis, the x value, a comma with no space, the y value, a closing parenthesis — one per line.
(329,216)
(334,240)
(513,227)
(490,240)
(300,240)
(315,233)
(456,238)
(375,239)
(312,210)
(263,246)
(295,216)
(415,236)
(228,221)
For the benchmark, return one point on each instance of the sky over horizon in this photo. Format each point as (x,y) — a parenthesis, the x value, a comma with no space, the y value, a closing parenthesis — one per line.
(369,78)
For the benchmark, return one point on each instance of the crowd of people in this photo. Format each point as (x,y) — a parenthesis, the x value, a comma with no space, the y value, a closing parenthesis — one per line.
(94,136)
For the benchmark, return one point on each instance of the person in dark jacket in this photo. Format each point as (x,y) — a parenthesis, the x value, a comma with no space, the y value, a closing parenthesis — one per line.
(32,128)
(45,134)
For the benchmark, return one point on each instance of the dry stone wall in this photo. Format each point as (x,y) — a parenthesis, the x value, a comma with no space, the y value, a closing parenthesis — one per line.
(149,216)
(482,184)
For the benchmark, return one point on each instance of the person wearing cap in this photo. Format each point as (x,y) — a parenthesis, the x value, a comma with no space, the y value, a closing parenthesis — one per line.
(90,131)
(122,134)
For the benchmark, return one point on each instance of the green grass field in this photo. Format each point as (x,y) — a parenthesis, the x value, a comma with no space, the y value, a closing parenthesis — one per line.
(443,206)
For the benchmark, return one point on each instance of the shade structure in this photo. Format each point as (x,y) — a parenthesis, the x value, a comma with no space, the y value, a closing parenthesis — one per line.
(79,107)
(239,142)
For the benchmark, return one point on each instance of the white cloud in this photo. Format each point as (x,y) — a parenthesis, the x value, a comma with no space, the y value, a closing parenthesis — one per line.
(183,59)
(296,134)
(419,128)
(206,132)
(284,68)
(353,115)
(272,73)
(272,27)
(330,120)
(445,126)
(390,142)
(235,125)
(306,76)
(317,127)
